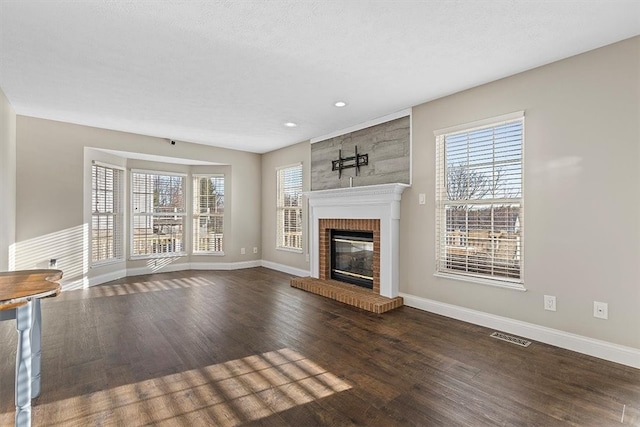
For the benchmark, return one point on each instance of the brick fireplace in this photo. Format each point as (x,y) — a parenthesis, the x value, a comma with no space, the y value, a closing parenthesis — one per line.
(373,208)
(324,244)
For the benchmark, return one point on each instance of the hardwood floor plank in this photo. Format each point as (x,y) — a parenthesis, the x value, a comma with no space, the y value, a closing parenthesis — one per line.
(231,348)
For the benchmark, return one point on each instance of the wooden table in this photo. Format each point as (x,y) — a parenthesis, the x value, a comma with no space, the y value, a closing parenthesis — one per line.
(20,294)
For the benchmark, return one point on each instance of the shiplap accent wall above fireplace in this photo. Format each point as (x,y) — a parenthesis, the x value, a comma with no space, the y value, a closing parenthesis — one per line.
(387,141)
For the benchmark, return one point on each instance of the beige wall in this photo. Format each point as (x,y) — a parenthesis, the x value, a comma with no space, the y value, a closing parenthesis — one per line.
(581,194)
(299,153)
(53,163)
(7,179)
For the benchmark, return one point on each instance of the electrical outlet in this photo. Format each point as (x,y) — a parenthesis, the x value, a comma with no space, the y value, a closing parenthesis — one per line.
(307,257)
(255,250)
(600,310)
(243,251)
(550,302)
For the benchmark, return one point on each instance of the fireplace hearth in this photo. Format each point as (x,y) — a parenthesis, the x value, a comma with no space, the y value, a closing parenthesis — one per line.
(374,210)
(352,257)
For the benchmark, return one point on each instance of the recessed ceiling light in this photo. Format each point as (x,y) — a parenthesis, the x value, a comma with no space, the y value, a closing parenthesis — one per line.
(291,124)
(340,104)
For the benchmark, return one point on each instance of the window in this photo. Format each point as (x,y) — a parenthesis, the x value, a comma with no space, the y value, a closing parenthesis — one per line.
(479,218)
(208,213)
(158,214)
(106,214)
(289,208)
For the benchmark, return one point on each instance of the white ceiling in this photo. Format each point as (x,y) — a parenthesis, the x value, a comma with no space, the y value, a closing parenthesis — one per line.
(230,73)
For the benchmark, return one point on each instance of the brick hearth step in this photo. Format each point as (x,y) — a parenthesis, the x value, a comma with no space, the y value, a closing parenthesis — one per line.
(348,294)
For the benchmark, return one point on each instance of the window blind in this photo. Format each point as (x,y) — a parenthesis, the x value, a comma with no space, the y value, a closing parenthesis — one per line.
(106,214)
(158,209)
(208,213)
(289,207)
(479,203)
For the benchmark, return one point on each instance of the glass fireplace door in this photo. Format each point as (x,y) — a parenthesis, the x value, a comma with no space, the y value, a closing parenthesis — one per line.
(352,257)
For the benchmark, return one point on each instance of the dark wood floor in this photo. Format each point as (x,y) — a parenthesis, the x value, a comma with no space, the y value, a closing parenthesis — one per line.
(244,348)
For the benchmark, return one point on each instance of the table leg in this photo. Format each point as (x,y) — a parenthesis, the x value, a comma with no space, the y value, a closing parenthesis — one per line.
(23,365)
(36,348)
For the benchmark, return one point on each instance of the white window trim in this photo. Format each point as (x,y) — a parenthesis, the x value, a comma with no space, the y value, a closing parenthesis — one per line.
(507,283)
(478,124)
(278,246)
(108,165)
(496,282)
(288,249)
(120,217)
(155,172)
(194,215)
(182,253)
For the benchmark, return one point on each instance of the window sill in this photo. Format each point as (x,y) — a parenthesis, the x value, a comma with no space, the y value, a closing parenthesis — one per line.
(221,253)
(157,256)
(285,249)
(516,286)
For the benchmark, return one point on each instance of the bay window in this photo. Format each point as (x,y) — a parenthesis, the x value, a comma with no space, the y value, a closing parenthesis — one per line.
(107,223)
(158,214)
(208,214)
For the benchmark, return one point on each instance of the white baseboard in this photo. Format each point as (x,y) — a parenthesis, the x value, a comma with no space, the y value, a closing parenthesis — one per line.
(602,349)
(285,269)
(107,277)
(138,271)
(224,265)
(194,266)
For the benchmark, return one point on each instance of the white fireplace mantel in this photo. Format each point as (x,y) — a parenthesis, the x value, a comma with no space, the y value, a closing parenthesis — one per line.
(380,202)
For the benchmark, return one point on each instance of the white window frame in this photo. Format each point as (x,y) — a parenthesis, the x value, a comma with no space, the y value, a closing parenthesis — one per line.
(197,215)
(284,239)
(180,213)
(513,239)
(115,214)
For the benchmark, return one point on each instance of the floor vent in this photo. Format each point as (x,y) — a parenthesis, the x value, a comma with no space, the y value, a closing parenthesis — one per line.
(508,338)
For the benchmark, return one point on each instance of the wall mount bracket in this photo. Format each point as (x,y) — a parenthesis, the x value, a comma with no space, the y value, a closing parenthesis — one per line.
(349,162)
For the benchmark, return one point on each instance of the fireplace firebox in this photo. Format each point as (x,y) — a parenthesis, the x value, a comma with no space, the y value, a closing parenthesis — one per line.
(352,257)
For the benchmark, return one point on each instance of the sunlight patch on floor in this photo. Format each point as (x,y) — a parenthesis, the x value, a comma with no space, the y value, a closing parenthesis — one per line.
(119,289)
(226,394)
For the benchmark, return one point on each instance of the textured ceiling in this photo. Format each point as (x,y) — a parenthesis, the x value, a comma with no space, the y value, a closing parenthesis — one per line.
(230,73)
